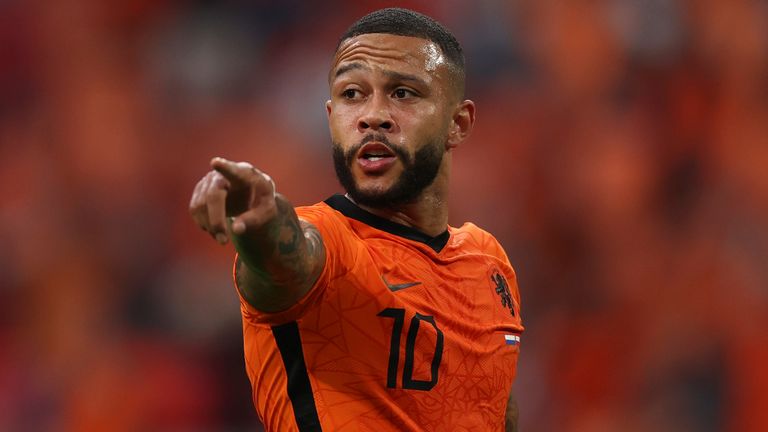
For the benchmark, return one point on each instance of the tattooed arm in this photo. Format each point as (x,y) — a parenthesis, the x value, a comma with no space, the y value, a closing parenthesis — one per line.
(278,266)
(279,256)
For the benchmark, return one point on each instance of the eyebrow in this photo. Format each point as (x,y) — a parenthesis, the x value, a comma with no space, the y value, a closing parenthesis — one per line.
(348,67)
(395,76)
(399,76)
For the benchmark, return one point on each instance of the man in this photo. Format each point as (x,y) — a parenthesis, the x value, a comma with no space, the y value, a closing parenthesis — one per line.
(367,311)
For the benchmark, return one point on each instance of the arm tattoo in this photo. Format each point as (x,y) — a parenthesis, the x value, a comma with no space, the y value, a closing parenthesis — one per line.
(277,267)
(289,236)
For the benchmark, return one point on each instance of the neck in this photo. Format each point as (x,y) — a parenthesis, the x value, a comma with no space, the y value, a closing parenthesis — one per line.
(428,213)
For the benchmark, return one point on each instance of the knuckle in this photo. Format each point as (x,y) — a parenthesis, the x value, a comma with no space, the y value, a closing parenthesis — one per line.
(245,166)
(219,182)
(194,205)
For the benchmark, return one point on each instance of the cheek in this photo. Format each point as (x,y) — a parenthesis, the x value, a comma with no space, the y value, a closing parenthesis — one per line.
(335,126)
(430,111)
(340,120)
(428,122)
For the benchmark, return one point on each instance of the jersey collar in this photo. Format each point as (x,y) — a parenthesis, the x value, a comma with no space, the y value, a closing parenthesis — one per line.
(351,210)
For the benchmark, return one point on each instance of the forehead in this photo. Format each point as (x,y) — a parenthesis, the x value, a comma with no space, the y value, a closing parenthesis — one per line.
(381,50)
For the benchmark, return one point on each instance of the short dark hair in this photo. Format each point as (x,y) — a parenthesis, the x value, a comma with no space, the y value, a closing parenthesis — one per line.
(405,22)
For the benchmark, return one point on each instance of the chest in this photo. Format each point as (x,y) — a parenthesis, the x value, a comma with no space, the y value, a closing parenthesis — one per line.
(421,327)
(460,287)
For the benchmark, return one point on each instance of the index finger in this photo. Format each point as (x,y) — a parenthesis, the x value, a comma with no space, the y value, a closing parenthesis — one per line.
(236,172)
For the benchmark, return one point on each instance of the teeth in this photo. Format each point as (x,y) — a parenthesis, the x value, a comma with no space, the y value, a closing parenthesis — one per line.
(374,158)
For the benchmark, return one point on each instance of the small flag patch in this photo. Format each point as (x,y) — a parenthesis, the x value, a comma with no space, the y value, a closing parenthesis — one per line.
(512,339)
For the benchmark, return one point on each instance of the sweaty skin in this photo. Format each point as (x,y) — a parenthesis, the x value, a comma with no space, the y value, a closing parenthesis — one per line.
(434,57)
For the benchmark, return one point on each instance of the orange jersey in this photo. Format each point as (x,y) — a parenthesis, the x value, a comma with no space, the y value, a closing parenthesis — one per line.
(401,332)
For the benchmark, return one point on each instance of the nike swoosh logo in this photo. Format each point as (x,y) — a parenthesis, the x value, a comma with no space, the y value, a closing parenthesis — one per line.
(398,287)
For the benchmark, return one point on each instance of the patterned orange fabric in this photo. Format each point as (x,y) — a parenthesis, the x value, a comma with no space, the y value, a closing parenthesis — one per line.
(401,332)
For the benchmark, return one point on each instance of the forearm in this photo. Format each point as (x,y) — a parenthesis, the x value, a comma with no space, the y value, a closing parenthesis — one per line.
(279,262)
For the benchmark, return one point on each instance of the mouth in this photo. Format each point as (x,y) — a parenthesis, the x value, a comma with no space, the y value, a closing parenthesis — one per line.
(375,151)
(375,158)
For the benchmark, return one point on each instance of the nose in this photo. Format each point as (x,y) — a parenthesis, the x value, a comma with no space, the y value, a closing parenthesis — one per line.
(376,116)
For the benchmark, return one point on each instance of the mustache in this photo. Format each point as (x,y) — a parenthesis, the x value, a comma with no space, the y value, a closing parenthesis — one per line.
(381,138)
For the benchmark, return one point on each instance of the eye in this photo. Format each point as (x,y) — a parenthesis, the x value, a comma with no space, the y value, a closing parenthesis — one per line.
(403,93)
(350,94)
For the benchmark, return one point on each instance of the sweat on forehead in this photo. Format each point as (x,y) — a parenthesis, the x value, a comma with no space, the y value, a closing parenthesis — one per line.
(416,51)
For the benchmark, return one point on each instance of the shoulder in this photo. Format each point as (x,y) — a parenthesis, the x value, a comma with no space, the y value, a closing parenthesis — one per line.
(336,231)
(471,237)
(315,211)
(321,215)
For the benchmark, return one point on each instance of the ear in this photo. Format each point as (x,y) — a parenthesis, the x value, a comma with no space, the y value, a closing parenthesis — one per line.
(328,107)
(461,124)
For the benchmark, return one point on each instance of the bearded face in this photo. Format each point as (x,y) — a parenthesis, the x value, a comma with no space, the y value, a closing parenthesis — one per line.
(419,170)
(394,113)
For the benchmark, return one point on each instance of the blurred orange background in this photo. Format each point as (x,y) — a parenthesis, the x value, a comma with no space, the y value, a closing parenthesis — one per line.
(620,155)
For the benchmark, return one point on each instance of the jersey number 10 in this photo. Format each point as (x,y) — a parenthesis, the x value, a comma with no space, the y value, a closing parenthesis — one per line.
(398,315)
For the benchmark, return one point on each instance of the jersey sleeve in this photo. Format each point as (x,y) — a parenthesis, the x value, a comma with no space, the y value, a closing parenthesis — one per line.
(490,246)
(509,272)
(339,257)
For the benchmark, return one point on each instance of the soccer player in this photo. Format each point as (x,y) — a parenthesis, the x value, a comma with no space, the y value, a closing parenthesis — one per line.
(367,312)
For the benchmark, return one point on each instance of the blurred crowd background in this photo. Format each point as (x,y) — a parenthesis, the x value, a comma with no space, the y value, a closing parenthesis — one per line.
(620,155)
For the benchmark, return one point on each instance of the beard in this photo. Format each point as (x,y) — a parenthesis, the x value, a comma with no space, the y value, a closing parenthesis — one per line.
(419,171)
